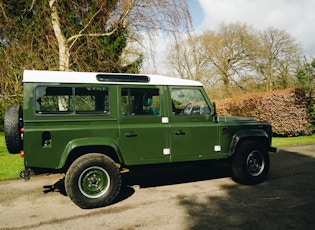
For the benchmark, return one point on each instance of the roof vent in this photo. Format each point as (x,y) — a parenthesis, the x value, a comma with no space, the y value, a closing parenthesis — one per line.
(123,78)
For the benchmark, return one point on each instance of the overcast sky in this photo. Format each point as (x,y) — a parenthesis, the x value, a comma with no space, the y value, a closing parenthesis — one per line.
(296,17)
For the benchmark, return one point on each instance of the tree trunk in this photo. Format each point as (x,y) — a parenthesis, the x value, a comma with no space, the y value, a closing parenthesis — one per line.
(64,51)
(270,79)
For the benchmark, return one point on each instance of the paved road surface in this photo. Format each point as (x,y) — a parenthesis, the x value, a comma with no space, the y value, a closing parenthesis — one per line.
(182,198)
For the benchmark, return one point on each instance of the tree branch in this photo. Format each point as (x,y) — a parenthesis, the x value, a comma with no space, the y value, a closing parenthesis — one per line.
(33,2)
(3,11)
(56,22)
(73,39)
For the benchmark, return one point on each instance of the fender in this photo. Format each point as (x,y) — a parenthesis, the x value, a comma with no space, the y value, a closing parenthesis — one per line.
(82,142)
(246,135)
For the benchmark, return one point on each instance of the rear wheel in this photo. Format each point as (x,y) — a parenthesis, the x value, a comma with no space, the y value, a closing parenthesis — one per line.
(93,180)
(13,122)
(251,163)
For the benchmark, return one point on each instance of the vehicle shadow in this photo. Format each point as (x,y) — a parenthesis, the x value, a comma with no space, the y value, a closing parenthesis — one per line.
(152,177)
(59,186)
(284,201)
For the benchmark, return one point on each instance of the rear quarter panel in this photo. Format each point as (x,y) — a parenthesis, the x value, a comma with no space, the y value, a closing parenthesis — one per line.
(63,129)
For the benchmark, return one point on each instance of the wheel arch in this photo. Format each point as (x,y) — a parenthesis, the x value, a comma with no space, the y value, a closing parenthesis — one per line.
(82,146)
(249,135)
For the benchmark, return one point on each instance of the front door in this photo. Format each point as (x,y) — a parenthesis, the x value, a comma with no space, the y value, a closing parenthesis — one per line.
(193,134)
(143,130)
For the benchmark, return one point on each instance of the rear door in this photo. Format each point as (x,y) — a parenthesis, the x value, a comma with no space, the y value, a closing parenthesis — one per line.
(143,131)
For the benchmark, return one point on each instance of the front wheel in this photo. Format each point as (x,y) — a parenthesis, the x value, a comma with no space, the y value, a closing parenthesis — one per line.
(93,180)
(251,163)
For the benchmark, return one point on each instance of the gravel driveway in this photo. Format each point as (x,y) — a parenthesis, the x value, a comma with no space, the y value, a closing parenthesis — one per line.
(183,198)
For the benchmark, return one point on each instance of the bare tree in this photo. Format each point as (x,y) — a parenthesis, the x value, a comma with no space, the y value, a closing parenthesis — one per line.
(215,56)
(186,59)
(103,18)
(238,58)
(65,44)
(277,58)
(228,52)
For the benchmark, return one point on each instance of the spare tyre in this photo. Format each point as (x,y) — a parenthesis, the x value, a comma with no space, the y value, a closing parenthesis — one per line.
(13,122)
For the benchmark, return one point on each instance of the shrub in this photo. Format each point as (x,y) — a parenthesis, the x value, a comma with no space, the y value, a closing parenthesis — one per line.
(286,110)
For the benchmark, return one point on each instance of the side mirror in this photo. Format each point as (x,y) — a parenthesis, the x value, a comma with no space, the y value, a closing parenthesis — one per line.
(214,114)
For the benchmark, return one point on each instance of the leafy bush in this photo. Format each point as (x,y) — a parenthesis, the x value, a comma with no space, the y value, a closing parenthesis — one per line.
(287,110)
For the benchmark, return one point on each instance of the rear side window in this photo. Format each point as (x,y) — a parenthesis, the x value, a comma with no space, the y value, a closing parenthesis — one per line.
(140,101)
(71,100)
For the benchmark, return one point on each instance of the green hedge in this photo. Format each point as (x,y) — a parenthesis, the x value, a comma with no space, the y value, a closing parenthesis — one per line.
(287,110)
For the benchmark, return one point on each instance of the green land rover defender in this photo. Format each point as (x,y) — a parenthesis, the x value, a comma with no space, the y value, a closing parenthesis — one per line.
(92,126)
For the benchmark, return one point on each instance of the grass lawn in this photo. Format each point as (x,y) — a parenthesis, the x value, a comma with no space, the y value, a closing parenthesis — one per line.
(289,141)
(12,164)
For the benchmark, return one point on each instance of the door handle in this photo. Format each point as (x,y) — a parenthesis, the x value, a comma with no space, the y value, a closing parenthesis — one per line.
(131,134)
(180,132)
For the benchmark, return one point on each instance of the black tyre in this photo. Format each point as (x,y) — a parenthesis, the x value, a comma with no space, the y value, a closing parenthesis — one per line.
(92,181)
(13,122)
(251,163)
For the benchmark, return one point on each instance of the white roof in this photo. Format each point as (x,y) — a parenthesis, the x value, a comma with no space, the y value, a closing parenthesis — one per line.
(45,76)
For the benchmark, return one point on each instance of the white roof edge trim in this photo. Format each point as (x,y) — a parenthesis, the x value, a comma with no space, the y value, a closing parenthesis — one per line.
(47,76)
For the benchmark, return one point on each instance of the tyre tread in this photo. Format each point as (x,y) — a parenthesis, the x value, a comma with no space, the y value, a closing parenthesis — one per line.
(12,127)
(71,180)
(239,169)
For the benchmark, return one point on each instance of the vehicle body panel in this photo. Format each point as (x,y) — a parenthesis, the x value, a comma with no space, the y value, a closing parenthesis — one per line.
(161,137)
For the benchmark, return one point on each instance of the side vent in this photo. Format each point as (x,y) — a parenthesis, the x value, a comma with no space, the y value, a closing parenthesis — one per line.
(46,139)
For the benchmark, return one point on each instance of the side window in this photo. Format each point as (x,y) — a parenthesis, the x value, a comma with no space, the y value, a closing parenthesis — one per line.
(60,100)
(91,100)
(53,100)
(188,102)
(140,101)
